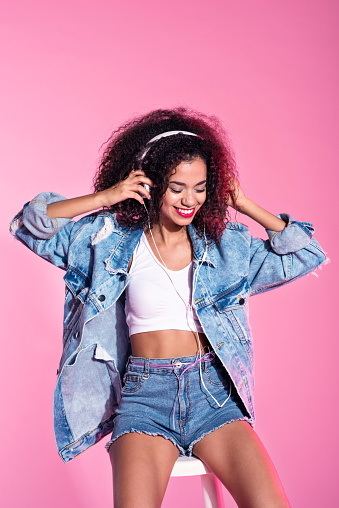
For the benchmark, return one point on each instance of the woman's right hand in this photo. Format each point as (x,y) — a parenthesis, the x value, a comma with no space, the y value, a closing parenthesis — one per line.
(131,187)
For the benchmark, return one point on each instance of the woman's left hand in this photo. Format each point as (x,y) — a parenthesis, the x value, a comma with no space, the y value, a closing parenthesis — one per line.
(239,196)
(244,205)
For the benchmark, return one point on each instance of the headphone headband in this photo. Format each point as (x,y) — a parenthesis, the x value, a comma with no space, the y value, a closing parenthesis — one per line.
(164,135)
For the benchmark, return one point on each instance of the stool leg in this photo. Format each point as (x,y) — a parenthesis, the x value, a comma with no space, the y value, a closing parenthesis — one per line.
(212,494)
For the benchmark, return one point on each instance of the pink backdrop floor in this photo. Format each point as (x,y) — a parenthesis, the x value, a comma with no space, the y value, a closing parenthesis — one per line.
(71,72)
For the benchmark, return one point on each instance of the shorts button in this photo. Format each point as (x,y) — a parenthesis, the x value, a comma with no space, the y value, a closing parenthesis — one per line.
(178,365)
(241,301)
(102,298)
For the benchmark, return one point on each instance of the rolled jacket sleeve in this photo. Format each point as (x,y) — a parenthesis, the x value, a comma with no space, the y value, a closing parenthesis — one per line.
(285,256)
(34,216)
(46,236)
(295,236)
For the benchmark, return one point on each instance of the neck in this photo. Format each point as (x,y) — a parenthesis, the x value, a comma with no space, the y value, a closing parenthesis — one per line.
(169,236)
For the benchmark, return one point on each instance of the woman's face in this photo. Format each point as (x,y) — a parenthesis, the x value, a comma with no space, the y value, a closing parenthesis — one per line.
(186,193)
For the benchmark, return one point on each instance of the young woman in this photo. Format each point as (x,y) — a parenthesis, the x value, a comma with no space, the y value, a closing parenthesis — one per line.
(157,345)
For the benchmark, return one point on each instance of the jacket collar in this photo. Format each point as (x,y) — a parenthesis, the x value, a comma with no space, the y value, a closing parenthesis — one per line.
(118,260)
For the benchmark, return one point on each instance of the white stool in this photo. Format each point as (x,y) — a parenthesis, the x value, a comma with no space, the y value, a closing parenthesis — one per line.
(211,488)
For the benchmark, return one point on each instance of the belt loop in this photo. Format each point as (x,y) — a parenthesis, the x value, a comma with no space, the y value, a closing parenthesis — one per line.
(205,367)
(207,363)
(146,369)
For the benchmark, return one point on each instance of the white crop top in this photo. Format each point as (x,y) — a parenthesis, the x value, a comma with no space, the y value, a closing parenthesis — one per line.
(152,303)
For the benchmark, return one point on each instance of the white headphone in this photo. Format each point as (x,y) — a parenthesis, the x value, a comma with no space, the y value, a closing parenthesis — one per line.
(189,305)
(163,135)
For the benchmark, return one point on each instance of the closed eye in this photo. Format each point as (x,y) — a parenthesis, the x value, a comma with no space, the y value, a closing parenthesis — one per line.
(178,191)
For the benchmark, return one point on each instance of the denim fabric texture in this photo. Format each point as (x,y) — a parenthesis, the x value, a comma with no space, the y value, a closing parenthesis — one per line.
(95,252)
(172,402)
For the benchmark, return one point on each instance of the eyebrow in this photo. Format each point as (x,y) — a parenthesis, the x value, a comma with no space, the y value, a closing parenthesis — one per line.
(183,184)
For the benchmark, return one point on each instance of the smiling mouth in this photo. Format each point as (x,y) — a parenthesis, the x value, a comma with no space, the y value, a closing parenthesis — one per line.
(184,212)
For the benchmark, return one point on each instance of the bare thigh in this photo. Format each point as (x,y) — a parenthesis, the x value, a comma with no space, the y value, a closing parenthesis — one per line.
(237,457)
(142,466)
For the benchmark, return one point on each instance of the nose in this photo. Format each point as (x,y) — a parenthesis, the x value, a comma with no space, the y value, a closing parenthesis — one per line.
(188,199)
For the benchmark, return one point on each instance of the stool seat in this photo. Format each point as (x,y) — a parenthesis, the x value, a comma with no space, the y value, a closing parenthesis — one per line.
(211,487)
(189,466)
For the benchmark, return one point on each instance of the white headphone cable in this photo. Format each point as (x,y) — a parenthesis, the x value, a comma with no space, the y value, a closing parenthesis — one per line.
(189,306)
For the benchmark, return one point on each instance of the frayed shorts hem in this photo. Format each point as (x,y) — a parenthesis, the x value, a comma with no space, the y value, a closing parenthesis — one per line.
(180,448)
(182,451)
(243,419)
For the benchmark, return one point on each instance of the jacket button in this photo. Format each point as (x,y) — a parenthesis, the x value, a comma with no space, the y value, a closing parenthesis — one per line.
(102,298)
(241,301)
(76,335)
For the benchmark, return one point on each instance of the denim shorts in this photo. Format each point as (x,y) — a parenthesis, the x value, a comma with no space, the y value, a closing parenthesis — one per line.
(166,397)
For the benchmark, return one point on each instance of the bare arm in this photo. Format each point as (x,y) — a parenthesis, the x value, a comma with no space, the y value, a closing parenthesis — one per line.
(128,188)
(251,209)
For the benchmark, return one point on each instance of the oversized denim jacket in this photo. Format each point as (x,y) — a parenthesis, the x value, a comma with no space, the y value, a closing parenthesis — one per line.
(95,252)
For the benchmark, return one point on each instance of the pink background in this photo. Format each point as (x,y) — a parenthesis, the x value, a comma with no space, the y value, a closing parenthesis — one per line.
(72,71)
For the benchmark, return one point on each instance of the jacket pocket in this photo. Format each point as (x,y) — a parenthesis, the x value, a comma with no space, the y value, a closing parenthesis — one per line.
(77,283)
(234,297)
(231,307)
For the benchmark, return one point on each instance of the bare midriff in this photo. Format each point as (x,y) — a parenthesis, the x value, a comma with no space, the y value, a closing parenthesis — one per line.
(167,344)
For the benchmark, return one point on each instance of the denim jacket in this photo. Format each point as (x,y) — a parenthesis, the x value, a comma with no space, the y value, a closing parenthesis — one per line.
(95,252)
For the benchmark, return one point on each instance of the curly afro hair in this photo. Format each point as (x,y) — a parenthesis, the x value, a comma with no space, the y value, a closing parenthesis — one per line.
(124,148)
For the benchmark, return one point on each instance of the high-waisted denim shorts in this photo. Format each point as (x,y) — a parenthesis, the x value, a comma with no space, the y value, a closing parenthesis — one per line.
(167,397)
